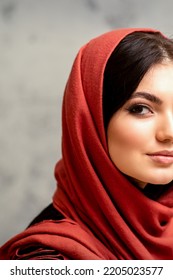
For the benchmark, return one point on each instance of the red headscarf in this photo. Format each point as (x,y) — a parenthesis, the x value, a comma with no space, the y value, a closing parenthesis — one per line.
(106,217)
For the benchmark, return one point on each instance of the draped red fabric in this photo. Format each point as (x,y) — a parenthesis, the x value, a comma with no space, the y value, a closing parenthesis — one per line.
(106,216)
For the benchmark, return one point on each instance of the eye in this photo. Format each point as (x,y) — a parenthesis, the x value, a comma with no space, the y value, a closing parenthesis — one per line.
(139,109)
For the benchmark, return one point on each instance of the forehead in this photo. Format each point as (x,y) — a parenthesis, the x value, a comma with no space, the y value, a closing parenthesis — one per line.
(158,80)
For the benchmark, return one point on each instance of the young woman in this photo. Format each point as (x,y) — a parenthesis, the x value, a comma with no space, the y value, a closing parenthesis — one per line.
(114,197)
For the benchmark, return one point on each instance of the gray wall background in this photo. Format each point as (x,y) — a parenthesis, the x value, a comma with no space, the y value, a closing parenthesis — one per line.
(38,42)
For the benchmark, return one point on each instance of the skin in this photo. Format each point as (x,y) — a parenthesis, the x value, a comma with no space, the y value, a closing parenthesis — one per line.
(143,126)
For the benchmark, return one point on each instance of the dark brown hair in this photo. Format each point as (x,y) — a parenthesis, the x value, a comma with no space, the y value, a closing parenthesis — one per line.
(128,64)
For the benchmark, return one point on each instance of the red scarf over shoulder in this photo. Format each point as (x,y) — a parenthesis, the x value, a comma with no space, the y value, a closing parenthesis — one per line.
(106,217)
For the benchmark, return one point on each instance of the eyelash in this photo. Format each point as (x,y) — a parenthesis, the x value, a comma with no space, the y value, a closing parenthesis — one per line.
(138,106)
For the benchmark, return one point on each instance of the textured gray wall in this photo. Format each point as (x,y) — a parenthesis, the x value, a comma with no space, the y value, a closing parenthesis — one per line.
(38,42)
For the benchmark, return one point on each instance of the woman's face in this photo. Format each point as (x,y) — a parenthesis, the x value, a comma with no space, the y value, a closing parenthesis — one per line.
(140,134)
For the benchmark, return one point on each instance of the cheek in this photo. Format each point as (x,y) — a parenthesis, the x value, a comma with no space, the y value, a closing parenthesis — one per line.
(127,136)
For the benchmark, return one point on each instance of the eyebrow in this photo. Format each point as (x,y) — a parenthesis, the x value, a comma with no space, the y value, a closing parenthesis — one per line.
(147,96)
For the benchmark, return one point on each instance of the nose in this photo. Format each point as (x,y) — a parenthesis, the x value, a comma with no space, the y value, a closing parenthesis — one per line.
(165,129)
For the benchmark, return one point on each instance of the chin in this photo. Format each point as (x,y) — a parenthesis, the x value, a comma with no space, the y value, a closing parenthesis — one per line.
(161,181)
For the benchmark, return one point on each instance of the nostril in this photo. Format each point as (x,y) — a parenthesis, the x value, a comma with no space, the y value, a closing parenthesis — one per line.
(163,223)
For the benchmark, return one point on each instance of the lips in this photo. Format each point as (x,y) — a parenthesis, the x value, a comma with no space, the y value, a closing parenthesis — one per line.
(162,157)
